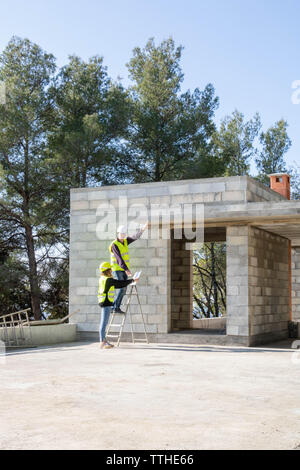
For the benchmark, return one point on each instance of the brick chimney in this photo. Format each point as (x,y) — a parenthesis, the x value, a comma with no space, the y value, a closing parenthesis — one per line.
(281,183)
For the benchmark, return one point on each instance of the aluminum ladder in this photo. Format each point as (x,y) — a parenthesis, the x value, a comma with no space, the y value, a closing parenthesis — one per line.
(110,334)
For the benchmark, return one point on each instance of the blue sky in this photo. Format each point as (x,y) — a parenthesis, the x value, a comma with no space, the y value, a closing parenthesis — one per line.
(248,49)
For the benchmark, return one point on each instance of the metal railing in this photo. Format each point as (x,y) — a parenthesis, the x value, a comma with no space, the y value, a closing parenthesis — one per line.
(14,328)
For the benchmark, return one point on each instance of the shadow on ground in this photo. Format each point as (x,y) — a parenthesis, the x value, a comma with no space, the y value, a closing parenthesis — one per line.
(67,347)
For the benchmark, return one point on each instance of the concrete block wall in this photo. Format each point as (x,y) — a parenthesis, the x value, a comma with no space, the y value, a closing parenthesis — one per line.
(268,285)
(296,283)
(237,257)
(258,192)
(152,256)
(159,293)
(181,286)
(257,285)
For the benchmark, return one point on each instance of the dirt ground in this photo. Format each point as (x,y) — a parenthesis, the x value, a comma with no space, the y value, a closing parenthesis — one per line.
(77,396)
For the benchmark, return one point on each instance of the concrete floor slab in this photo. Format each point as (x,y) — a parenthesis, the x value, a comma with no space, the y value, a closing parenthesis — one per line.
(159,396)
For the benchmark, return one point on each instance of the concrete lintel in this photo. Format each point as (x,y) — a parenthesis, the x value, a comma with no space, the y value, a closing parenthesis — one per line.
(252,211)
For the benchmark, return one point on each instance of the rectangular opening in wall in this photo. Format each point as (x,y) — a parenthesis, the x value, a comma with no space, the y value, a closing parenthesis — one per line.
(189,310)
(209,287)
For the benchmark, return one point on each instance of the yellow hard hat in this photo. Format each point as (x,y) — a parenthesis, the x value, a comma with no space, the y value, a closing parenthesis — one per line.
(104,266)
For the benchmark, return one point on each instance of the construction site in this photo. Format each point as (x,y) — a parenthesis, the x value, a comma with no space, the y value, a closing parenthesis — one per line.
(173,381)
(149,228)
(261,229)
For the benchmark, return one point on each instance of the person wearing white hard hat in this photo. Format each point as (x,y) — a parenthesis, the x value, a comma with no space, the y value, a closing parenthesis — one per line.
(119,259)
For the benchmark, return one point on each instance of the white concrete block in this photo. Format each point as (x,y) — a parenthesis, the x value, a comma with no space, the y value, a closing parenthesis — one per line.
(79,205)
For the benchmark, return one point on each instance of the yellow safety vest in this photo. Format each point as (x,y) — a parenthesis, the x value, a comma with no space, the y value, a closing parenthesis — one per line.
(102,295)
(124,253)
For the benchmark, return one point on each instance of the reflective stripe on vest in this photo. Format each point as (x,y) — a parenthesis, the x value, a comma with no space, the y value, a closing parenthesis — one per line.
(124,253)
(101,294)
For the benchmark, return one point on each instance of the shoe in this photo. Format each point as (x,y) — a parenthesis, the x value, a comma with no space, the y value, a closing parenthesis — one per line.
(118,310)
(106,345)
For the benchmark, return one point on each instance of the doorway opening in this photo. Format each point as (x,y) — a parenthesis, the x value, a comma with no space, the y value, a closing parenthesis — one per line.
(209,286)
(198,283)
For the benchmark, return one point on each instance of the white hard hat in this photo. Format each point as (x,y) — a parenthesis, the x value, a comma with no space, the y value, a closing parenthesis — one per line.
(122,229)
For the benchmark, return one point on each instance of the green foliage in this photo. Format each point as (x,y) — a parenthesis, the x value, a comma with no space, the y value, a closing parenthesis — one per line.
(91,115)
(209,287)
(14,285)
(167,130)
(294,173)
(156,73)
(234,143)
(275,144)
(25,120)
(77,128)
(55,295)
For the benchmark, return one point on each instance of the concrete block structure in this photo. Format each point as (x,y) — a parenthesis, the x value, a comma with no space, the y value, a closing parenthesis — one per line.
(296,283)
(261,229)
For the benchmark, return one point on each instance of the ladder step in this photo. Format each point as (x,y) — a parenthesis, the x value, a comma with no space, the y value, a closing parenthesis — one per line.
(118,334)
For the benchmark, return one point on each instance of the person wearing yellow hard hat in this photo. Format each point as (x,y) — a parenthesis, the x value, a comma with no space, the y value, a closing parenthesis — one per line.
(119,258)
(107,286)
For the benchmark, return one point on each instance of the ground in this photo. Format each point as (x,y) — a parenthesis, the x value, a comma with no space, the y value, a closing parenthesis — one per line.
(76,396)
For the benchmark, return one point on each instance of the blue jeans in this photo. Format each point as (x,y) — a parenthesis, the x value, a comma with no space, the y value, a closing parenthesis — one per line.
(121,276)
(105,312)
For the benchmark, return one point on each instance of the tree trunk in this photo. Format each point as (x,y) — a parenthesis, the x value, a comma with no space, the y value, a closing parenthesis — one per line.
(214,280)
(33,278)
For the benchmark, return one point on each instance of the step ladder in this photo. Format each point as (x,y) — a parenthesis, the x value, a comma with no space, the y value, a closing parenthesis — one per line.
(110,334)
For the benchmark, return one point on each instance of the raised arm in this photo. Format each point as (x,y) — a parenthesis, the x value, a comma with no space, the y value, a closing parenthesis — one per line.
(138,234)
